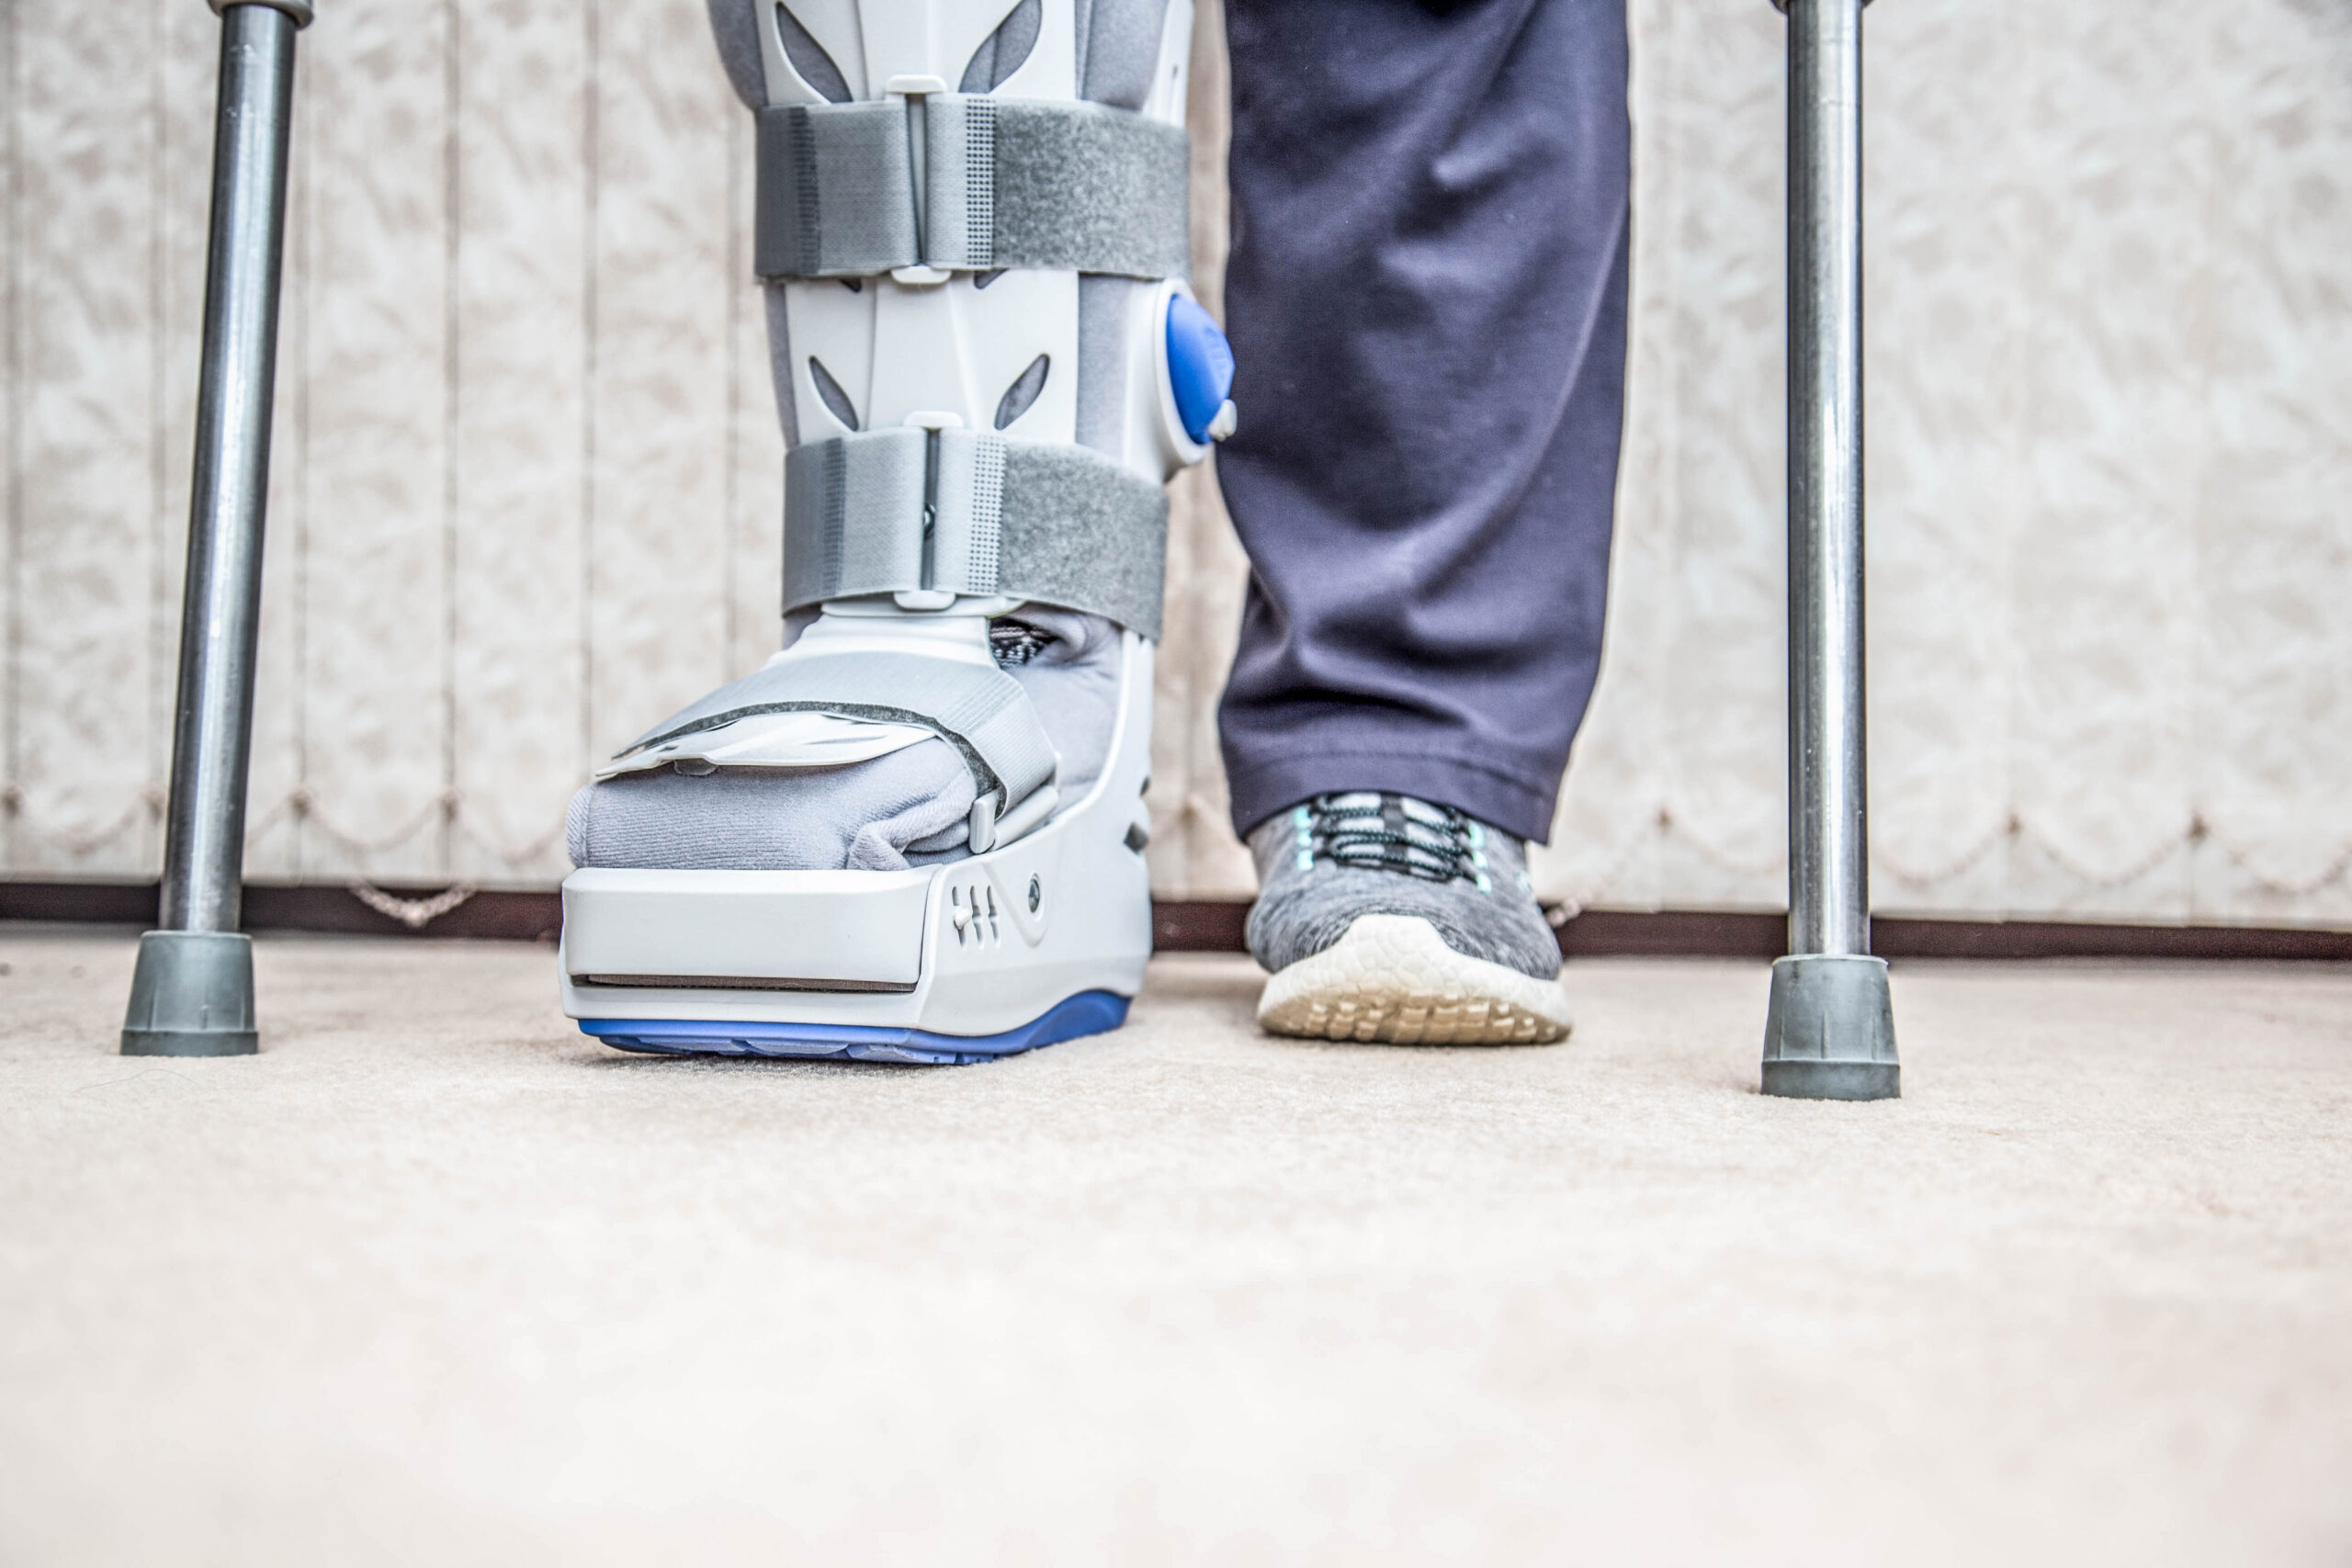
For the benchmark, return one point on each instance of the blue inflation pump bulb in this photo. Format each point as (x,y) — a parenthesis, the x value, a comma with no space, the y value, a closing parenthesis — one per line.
(1200,370)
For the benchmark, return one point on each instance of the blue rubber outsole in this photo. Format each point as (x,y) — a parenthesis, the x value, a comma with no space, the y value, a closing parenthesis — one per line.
(1088,1012)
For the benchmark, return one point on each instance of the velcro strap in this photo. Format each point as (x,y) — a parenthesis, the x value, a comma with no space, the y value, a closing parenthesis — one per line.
(979,709)
(836,191)
(1006,182)
(886,511)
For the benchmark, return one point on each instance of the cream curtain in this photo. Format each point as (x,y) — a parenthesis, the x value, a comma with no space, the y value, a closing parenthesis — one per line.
(527,474)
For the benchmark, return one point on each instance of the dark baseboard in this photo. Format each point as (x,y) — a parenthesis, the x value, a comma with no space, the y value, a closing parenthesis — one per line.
(1674,933)
(2065,938)
(1217,927)
(1695,934)
(510,917)
(1205,927)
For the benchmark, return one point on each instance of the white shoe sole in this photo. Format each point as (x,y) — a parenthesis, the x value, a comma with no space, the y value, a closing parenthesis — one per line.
(1393,979)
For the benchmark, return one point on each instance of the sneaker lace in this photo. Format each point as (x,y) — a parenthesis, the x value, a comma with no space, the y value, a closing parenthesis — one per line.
(1016,643)
(1391,832)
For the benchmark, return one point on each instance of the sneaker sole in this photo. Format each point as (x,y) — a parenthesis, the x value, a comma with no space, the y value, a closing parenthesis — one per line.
(1392,978)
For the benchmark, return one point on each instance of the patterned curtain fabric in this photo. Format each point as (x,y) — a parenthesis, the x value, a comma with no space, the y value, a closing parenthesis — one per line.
(528,475)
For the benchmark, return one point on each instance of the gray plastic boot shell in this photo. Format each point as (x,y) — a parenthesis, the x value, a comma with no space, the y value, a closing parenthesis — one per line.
(1829,1031)
(192,995)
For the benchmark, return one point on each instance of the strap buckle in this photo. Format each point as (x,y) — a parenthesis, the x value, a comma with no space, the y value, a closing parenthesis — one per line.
(914,90)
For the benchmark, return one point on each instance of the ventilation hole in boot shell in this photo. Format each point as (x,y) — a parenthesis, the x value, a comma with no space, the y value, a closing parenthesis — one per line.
(1003,50)
(1024,390)
(808,58)
(829,393)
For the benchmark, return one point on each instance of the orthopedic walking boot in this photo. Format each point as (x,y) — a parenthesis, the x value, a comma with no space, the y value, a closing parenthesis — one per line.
(916,834)
(1386,917)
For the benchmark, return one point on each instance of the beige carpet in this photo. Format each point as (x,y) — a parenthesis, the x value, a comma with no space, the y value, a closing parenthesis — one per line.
(434,1280)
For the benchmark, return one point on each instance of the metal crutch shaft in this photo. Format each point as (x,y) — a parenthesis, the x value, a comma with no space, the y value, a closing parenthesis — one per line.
(1830,1030)
(192,994)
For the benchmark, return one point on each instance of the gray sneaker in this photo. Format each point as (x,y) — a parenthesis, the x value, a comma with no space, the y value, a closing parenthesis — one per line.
(1386,917)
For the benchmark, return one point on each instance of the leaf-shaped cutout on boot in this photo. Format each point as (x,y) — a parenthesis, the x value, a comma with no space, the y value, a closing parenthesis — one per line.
(808,57)
(828,391)
(1003,50)
(1024,390)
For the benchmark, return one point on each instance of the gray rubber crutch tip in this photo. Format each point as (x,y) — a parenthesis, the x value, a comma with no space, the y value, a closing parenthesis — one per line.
(1829,1031)
(192,995)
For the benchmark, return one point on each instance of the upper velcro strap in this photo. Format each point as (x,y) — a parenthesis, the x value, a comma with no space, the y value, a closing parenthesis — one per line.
(836,191)
(976,708)
(1006,182)
(888,511)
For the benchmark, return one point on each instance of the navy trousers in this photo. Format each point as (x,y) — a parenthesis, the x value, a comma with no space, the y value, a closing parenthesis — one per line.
(1427,303)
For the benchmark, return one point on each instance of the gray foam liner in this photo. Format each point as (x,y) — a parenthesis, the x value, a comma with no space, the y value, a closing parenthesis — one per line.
(1119,42)
(1103,361)
(736,25)
(1127,34)
(788,406)
(873,815)
(981,711)
(862,817)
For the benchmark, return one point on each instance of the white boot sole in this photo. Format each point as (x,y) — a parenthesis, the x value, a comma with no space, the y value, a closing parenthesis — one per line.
(1392,978)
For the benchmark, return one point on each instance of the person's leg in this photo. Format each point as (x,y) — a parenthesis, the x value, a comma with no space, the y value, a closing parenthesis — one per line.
(1427,304)
(913,833)
(1427,298)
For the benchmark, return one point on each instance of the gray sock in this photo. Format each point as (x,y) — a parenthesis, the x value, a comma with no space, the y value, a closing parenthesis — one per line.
(906,809)
(1327,862)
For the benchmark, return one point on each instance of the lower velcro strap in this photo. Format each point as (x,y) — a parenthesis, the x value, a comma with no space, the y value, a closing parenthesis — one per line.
(979,709)
(891,511)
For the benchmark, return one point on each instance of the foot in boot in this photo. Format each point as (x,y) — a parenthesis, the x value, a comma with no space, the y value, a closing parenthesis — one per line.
(1386,917)
(908,807)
